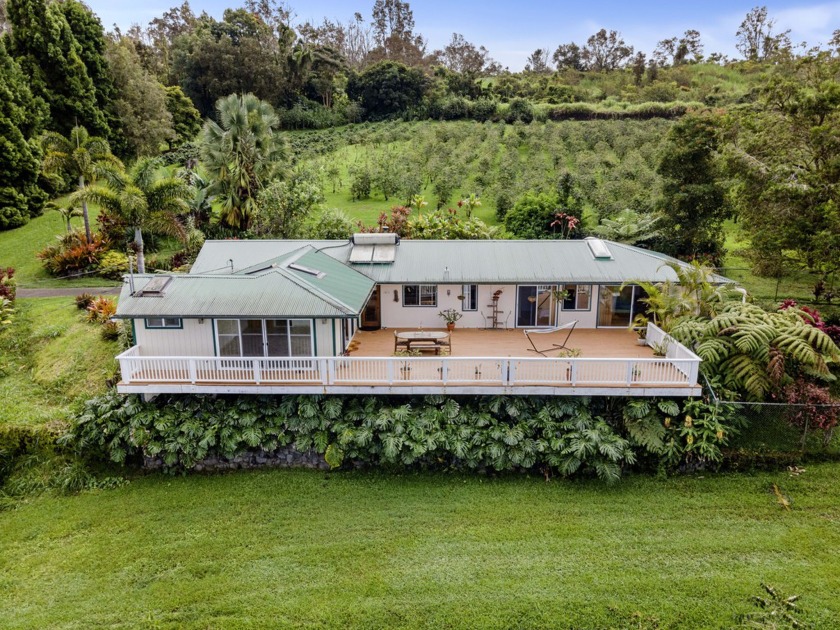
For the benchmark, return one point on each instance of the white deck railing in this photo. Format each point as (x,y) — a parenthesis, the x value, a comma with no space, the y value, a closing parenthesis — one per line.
(656,337)
(406,371)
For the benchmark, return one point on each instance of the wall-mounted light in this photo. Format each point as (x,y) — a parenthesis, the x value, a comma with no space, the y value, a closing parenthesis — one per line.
(200,320)
(396,295)
(448,292)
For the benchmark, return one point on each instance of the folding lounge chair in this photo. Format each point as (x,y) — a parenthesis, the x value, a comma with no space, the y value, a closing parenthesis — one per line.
(555,346)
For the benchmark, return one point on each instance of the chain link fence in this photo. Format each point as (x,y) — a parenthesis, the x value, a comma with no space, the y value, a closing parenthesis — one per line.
(772,434)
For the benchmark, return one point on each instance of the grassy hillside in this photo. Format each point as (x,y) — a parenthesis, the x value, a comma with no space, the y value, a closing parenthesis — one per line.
(304,549)
(51,359)
(18,248)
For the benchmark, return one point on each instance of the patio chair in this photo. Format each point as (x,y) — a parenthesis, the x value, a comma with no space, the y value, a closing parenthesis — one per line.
(542,331)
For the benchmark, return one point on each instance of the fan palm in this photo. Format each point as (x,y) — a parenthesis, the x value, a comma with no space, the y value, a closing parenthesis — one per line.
(240,153)
(146,197)
(83,157)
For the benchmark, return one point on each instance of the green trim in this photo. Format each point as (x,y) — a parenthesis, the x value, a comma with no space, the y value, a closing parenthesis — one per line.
(180,325)
(335,348)
(215,344)
(133,332)
(314,338)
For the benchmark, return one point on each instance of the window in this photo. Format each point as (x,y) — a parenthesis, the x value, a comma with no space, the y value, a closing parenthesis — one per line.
(164,322)
(470,293)
(578,297)
(420,295)
(264,337)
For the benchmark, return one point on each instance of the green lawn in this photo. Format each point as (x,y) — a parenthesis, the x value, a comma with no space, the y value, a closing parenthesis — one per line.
(306,549)
(50,358)
(19,246)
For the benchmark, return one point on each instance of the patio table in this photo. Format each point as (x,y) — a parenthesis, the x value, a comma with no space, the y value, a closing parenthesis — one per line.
(423,337)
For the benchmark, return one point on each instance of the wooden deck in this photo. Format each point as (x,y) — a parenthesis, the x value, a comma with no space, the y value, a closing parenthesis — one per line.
(471,342)
(609,363)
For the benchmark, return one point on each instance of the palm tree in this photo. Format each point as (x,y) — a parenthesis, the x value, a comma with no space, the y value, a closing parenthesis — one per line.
(83,157)
(147,198)
(240,153)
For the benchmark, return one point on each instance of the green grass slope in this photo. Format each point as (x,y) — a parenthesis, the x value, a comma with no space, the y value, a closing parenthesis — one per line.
(50,358)
(293,549)
(18,249)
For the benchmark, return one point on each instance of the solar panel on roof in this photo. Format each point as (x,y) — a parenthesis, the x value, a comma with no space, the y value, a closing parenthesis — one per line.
(384,253)
(361,254)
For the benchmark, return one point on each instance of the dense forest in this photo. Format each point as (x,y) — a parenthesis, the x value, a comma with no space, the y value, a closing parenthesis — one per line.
(186,127)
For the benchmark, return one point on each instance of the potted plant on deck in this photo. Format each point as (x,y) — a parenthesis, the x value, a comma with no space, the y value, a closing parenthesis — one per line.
(450,316)
(639,326)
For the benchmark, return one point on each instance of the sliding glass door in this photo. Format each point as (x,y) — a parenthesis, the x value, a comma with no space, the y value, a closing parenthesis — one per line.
(264,337)
(617,306)
(536,306)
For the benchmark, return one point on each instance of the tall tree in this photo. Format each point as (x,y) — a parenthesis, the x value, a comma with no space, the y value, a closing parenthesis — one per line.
(146,198)
(606,51)
(393,31)
(21,117)
(569,57)
(537,62)
(140,101)
(186,121)
(463,57)
(241,153)
(88,31)
(693,204)
(82,157)
(51,58)
(679,50)
(756,39)
(783,155)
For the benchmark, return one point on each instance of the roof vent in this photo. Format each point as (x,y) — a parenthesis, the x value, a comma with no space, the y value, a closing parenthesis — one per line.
(374,248)
(599,248)
(307,270)
(155,287)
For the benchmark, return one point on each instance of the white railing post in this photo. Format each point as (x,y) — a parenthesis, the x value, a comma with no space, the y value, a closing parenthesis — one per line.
(328,376)
(574,375)
(389,371)
(257,371)
(125,369)
(444,370)
(193,371)
(508,370)
(629,375)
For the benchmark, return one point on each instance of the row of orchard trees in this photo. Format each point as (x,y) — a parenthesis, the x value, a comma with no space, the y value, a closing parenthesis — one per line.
(58,71)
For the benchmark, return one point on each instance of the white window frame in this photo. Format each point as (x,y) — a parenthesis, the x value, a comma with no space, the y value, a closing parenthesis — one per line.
(166,323)
(469,291)
(289,335)
(428,288)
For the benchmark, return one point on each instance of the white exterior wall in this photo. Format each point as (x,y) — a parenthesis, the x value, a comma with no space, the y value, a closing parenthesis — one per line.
(395,315)
(193,340)
(323,329)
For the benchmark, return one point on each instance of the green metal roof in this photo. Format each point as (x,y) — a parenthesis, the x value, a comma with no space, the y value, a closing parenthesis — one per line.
(270,290)
(461,262)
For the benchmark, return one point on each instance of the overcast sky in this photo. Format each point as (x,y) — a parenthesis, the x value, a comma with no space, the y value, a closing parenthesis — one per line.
(512,30)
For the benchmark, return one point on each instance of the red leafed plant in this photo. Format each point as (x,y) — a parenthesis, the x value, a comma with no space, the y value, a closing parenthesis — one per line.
(812,406)
(7,283)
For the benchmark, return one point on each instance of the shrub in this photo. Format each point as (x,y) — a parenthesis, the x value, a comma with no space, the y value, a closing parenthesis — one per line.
(520,109)
(8,285)
(484,109)
(102,309)
(113,265)
(72,254)
(83,301)
(111,330)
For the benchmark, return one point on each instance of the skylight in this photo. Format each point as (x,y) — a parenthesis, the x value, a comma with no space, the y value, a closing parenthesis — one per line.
(599,249)
(155,287)
(307,270)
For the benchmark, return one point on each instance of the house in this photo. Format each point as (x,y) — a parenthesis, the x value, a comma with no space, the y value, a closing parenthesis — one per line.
(290,316)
